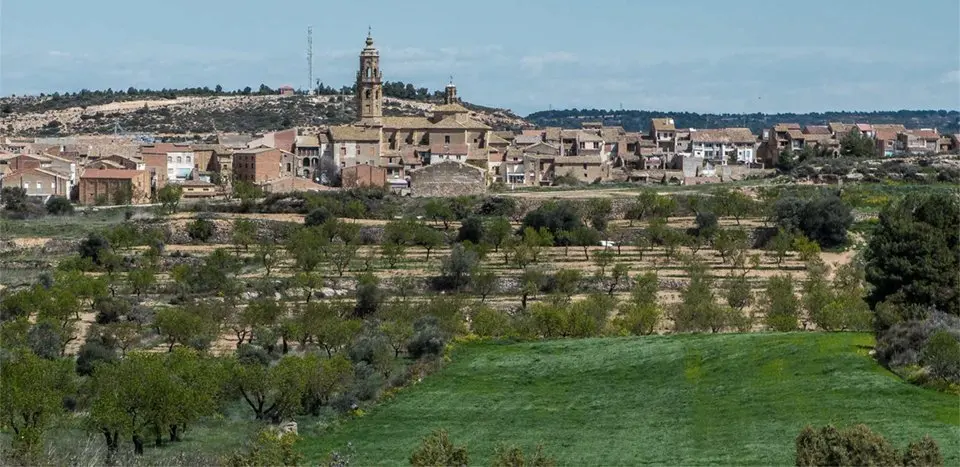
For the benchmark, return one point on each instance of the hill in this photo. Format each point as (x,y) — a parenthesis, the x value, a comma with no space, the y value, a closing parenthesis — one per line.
(639,120)
(669,400)
(168,114)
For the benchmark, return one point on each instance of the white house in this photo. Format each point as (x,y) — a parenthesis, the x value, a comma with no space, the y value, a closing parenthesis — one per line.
(179,166)
(724,144)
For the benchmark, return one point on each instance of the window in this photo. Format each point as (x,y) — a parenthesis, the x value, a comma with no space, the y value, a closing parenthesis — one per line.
(446,139)
(39,186)
(584,166)
(179,159)
(367,94)
(188,159)
(289,169)
(169,158)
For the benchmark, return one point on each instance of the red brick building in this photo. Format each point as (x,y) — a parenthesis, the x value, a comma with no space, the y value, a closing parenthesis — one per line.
(105,185)
(262,164)
(363,175)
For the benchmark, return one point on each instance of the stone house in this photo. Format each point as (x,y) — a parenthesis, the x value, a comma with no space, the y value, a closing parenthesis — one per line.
(262,164)
(363,175)
(104,185)
(448,178)
(38,182)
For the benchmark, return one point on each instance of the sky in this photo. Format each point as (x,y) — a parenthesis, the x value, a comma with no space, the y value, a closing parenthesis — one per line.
(525,55)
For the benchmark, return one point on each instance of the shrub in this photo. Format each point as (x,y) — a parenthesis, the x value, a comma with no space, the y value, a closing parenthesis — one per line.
(270,447)
(471,230)
(437,449)
(706,223)
(925,453)
(45,340)
(428,339)
(110,309)
(857,445)
(317,216)
(824,219)
(554,216)
(490,322)
(200,230)
(780,304)
(367,382)
(903,343)
(59,206)
(457,269)
(942,355)
(93,247)
(93,352)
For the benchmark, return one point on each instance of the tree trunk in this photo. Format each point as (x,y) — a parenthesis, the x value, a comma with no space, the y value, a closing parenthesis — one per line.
(283,342)
(523,301)
(175,432)
(137,445)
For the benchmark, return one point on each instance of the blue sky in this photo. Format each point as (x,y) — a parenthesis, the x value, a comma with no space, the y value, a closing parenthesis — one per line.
(527,55)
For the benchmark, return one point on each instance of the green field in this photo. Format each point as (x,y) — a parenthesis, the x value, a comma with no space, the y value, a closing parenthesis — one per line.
(676,400)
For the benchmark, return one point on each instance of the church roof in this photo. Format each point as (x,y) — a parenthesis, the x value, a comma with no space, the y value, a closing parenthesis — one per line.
(406,122)
(458,122)
(452,108)
(354,133)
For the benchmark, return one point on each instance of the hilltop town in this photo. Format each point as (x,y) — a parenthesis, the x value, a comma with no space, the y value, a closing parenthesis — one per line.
(376,140)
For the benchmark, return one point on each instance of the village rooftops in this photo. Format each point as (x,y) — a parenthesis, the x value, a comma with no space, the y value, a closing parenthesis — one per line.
(817,130)
(413,123)
(119,174)
(521,140)
(783,127)
(354,133)
(723,135)
(927,134)
(259,150)
(662,124)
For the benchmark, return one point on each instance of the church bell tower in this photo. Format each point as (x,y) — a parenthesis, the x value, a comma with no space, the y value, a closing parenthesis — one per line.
(369,94)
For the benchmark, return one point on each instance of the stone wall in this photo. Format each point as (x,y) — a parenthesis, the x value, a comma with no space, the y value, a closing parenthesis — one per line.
(447,178)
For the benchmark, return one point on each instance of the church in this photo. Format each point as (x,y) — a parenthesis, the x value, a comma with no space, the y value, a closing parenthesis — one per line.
(401,144)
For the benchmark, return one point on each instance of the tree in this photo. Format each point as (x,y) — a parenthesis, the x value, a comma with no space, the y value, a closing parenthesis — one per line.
(392,252)
(484,283)
(439,211)
(31,397)
(730,242)
(247,193)
(317,217)
(244,233)
(341,254)
(780,305)
(856,144)
(497,231)
(599,211)
(273,393)
(437,449)
(733,203)
(94,247)
(554,216)
(781,244)
(824,219)
(641,314)
(269,256)
(471,229)
(270,447)
(369,295)
(142,279)
(857,445)
(169,197)
(59,206)
(457,269)
(585,237)
(535,240)
(531,281)
(914,253)
(428,238)
(602,259)
(566,282)
(698,310)
(306,245)
(181,326)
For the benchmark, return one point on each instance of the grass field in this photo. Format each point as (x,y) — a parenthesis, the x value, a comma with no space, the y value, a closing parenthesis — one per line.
(675,400)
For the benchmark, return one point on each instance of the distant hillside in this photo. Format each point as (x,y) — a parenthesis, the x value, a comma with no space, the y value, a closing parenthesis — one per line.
(639,120)
(201,113)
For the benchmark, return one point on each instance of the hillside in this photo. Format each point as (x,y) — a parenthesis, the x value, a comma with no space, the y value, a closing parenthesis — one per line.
(639,120)
(677,400)
(33,116)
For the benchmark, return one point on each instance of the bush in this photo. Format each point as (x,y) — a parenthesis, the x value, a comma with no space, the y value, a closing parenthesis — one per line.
(471,230)
(555,216)
(93,352)
(925,453)
(93,247)
(457,269)
(248,354)
(858,445)
(707,223)
(437,449)
(367,382)
(201,230)
(824,219)
(904,343)
(317,216)
(942,355)
(45,340)
(110,309)
(428,339)
(59,206)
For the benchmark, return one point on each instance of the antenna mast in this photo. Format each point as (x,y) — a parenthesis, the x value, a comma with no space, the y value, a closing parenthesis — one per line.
(310,60)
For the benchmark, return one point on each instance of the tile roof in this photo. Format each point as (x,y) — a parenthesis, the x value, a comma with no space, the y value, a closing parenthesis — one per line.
(36,170)
(255,150)
(496,139)
(452,108)
(796,134)
(307,141)
(816,130)
(588,136)
(458,122)
(821,138)
(864,127)
(527,139)
(216,148)
(924,134)
(112,173)
(724,135)
(406,122)
(552,134)
(541,148)
(838,127)
(889,126)
(577,160)
(662,124)
(886,134)
(537,133)
(353,133)
(163,148)
(786,126)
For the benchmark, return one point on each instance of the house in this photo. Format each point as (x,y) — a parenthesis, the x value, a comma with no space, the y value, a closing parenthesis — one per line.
(308,150)
(886,142)
(286,90)
(777,140)
(585,169)
(194,189)
(114,186)
(720,146)
(918,141)
(448,178)
(363,175)
(262,164)
(283,139)
(205,154)
(180,164)
(664,133)
(38,182)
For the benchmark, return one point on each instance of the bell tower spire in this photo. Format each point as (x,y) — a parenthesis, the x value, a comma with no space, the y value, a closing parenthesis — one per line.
(369,94)
(450,94)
